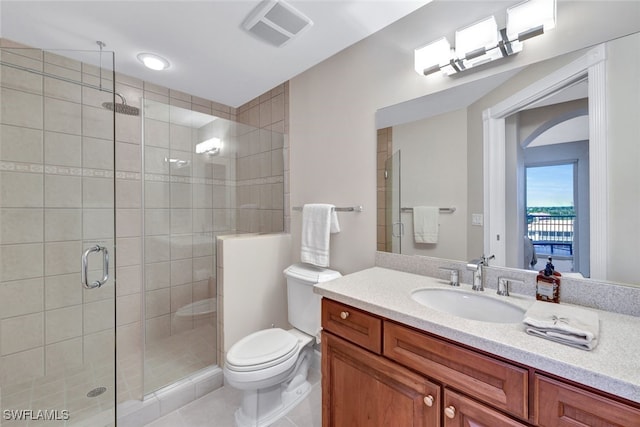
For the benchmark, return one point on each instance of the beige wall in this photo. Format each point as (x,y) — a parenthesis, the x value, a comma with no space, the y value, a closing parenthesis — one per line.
(332,130)
(252,293)
(433,173)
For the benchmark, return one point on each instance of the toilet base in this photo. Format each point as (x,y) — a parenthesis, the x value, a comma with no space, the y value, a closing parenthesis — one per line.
(289,401)
(263,407)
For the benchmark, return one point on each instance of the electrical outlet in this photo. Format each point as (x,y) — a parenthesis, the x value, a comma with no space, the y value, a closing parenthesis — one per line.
(477,219)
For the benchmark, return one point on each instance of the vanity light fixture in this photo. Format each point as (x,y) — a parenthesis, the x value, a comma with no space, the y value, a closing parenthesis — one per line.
(483,42)
(211,147)
(153,61)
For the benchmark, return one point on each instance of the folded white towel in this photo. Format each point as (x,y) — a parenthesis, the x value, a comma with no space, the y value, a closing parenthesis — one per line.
(425,224)
(574,326)
(318,222)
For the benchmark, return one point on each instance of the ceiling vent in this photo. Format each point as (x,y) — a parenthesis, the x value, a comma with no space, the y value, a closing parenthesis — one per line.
(276,22)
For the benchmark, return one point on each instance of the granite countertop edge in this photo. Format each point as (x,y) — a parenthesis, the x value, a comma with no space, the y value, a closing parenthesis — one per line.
(609,367)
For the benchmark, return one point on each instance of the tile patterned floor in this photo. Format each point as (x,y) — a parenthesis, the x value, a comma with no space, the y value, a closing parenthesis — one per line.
(216,409)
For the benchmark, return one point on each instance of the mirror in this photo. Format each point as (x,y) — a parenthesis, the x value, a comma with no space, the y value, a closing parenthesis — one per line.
(444,163)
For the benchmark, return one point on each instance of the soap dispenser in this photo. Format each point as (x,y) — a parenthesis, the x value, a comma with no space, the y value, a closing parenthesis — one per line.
(548,284)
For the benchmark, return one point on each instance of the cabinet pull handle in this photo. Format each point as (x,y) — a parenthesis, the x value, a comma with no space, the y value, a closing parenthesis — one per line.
(428,400)
(344,315)
(450,411)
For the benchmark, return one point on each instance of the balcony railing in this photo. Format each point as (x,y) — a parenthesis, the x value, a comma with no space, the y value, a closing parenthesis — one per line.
(551,234)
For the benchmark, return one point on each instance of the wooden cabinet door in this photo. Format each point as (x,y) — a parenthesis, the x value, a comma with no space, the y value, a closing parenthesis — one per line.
(361,389)
(460,411)
(561,405)
(492,381)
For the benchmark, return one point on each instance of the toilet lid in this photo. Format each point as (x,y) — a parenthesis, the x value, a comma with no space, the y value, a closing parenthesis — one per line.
(262,349)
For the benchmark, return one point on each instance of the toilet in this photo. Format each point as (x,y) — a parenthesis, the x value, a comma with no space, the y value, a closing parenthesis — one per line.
(271,366)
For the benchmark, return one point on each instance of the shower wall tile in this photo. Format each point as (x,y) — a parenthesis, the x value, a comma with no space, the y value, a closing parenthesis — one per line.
(99,346)
(181,272)
(97,153)
(98,316)
(97,224)
(128,222)
(156,221)
(128,157)
(181,246)
(61,89)
(64,355)
(62,116)
(63,324)
(129,127)
(21,225)
(23,366)
(21,190)
(21,297)
(62,224)
(157,249)
(21,333)
(62,149)
(129,252)
(129,309)
(62,291)
(157,303)
(97,192)
(128,194)
(129,280)
(18,80)
(61,191)
(157,275)
(156,133)
(19,262)
(97,122)
(21,109)
(62,257)
(18,144)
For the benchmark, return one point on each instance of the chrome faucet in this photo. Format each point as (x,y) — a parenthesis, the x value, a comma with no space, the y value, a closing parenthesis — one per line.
(476,265)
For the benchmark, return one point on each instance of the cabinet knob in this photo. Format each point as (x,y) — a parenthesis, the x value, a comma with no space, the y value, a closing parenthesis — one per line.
(450,412)
(428,400)
(344,315)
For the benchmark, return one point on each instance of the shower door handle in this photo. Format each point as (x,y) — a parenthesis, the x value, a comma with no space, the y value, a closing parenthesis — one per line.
(85,267)
(400,229)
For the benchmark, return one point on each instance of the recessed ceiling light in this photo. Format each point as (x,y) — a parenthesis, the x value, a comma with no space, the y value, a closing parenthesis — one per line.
(153,61)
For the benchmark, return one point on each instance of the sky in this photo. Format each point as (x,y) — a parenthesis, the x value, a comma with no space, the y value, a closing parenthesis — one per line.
(550,185)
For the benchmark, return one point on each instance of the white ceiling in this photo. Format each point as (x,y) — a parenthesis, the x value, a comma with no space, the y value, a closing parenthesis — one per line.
(211,55)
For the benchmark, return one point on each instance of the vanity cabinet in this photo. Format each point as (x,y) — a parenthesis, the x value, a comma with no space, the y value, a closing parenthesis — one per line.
(559,405)
(376,372)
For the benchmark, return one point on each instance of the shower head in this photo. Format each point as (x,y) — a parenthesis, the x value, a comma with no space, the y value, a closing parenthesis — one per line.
(122,108)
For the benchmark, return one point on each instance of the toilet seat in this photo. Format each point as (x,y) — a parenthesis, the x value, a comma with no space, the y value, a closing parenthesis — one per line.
(261,350)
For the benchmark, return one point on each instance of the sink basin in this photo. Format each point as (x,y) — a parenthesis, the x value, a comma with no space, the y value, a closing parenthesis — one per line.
(473,306)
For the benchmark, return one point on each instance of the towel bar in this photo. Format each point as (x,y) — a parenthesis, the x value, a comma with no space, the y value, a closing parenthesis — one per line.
(442,210)
(348,209)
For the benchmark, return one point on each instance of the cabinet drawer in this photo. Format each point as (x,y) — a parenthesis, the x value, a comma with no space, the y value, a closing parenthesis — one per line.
(497,383)
(460,411)
(559,404)
(352,324)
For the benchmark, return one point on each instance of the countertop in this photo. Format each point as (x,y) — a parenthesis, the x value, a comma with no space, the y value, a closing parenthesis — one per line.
(613,366)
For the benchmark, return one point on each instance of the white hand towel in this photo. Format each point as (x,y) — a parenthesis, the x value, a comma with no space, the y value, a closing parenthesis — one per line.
(425,224)
(318,222)
(566,324)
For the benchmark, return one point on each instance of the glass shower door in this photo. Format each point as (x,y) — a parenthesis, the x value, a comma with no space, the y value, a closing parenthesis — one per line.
(57,239)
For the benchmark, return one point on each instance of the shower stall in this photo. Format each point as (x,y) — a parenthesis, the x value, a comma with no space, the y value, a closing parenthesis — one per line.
(112,193)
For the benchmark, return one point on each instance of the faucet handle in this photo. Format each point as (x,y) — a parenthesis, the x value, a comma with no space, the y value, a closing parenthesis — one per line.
(454,276)
(485,260)
(503,287)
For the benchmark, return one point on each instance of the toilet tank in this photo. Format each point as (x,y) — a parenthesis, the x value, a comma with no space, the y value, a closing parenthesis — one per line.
(303,304)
